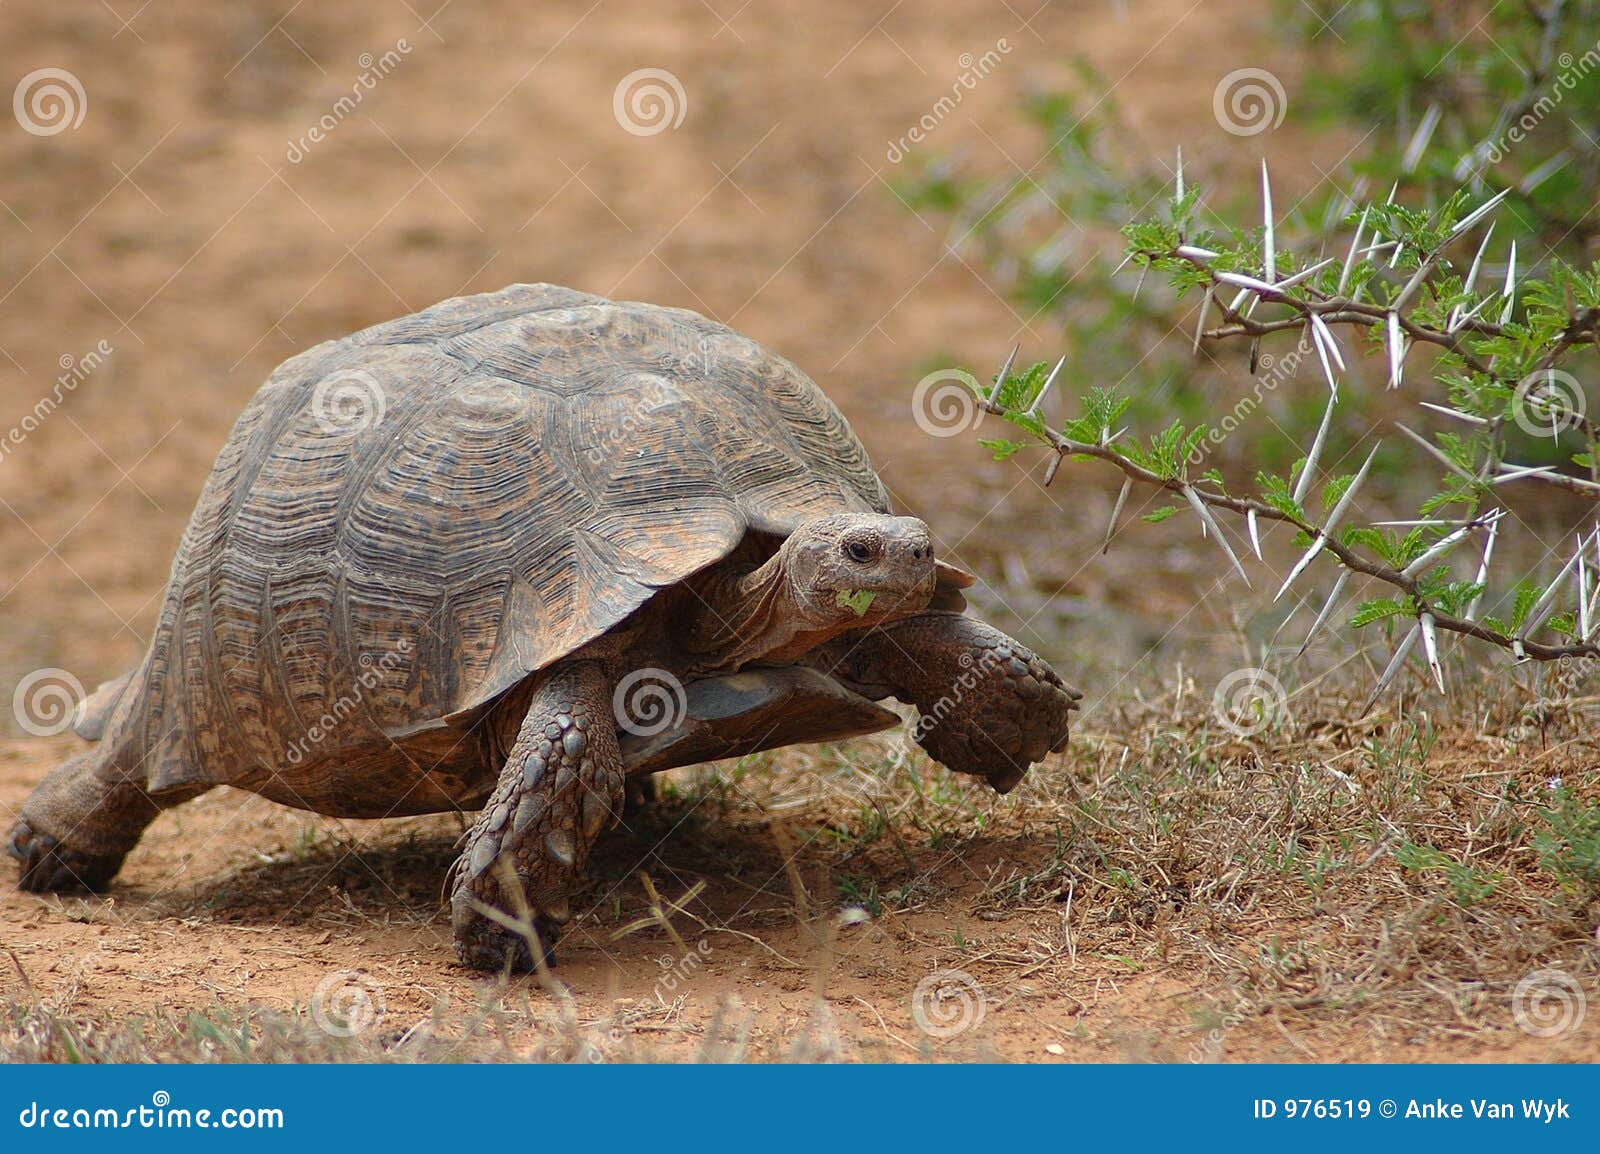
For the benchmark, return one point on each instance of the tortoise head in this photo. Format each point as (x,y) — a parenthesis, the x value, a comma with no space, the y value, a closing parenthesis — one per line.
(833,573)
(845,570)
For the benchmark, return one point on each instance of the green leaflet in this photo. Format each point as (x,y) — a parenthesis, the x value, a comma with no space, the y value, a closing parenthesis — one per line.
(858,600)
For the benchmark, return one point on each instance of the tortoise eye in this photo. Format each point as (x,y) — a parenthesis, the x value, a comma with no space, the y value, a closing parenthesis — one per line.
(858,551)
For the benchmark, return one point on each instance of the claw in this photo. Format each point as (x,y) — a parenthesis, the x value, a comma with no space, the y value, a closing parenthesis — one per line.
(559,844)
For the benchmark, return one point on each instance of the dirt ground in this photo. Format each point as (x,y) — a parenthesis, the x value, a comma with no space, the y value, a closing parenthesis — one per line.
(191,224)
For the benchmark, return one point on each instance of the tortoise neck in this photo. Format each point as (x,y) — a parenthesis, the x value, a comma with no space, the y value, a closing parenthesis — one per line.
(743,615)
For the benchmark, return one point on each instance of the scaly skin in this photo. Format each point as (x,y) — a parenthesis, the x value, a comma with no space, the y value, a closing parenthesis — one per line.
(562,787)
(990,706)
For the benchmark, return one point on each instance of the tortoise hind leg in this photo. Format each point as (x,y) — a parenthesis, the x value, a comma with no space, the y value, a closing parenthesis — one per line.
(561,787)
(77,826)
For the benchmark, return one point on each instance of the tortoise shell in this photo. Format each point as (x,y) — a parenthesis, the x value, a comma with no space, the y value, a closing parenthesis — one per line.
(407,522)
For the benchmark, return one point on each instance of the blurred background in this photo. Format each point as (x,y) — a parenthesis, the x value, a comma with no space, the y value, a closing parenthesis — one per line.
(192,193)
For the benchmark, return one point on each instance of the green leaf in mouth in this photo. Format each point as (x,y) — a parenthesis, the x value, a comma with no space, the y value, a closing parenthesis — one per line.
(859,600)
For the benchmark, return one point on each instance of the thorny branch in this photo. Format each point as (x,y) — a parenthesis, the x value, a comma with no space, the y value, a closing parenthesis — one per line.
(1315,304)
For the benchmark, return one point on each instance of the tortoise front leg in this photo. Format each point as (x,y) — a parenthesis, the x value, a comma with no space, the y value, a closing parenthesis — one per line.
(562,786)
(989,705)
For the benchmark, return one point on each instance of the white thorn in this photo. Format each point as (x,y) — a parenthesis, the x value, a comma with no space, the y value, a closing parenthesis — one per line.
(1321,326)
(1303,274)
(1350,259)
(1300,566)
(1255,533)
(1479,213)
(1518,472)
(1430,648)
(1216,530)
(1397,351)
(1477,261)
(1249,283)
(1465,317)
(1420,138)
(1327,610)
(1509,292)
(1004,369)
(1270,242)
(1433,450)
(1456,413)
(1048,382)
(1330,524)
(1393,667)
(1116,512)
(1537,614)
(1195,252)
(1483,569)
(1543,173)
(1180,173)
(1303,484)
(1320,339)
(1200,325)
(1440,547)
(1583,595)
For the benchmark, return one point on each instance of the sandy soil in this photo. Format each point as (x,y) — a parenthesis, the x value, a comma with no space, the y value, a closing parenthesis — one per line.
(173,225)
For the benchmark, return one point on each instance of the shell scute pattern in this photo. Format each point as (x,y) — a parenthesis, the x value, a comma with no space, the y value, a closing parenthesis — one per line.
(543,462)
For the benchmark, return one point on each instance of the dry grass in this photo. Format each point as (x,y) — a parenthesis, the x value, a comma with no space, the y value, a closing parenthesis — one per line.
(1165,890)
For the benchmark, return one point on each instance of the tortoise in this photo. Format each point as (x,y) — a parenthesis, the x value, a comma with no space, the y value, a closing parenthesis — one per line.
(507,553)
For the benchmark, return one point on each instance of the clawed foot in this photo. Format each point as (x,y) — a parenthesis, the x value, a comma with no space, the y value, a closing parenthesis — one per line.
(48,865)
(989,705)
(482,944)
